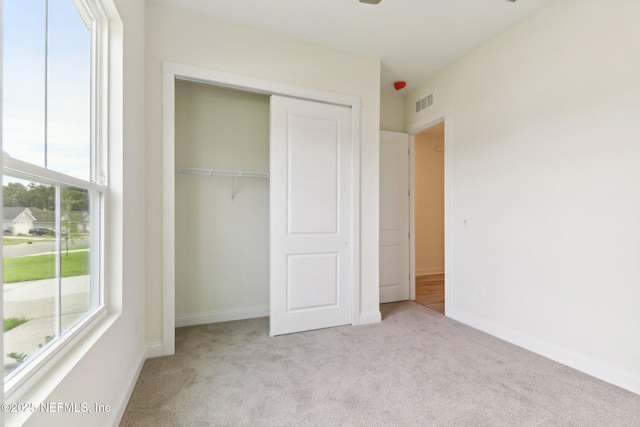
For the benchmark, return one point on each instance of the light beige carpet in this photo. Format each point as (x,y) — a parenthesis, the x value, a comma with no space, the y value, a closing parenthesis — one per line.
(415,368)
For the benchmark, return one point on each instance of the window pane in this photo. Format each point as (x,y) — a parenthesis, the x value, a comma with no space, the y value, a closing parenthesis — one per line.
(23,79)
(78,296)
(68,91)
(47,85)
(30,283)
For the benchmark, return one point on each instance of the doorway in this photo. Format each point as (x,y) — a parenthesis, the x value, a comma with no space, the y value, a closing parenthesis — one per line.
(428,214)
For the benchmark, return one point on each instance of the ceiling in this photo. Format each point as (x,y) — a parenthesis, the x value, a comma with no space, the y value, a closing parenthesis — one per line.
(412,38)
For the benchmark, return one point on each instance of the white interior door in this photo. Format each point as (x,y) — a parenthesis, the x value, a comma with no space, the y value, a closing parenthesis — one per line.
(311,206)
(394,216)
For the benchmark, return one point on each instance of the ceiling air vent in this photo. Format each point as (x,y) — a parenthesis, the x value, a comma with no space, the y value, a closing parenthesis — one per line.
(425,102)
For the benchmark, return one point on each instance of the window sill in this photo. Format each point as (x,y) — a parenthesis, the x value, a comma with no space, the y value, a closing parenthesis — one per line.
(34,385)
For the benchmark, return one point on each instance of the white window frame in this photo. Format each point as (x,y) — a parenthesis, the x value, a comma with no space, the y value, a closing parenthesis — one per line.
(35,370)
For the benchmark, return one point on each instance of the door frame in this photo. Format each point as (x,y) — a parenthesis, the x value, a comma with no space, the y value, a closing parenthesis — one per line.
(174,71)
(413,129)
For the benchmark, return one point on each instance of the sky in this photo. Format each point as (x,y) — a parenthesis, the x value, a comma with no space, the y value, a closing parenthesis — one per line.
(62,117)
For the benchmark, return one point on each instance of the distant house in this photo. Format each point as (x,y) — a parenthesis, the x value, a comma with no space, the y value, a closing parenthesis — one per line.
(44,219)
(16,220)
(19,220)
(78,221)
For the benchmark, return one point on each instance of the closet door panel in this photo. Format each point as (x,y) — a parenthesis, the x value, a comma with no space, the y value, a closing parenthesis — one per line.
(313,177)
(312,281)
(310,215)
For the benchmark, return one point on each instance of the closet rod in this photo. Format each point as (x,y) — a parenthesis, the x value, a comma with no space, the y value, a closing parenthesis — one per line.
(212,172)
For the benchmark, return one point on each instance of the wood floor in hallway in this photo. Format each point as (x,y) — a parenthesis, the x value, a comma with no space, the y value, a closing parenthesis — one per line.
(430,291)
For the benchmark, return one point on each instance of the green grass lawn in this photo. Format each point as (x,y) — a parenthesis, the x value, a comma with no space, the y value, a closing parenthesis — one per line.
(43,266)
(76,247)
(13,322)
(8,241)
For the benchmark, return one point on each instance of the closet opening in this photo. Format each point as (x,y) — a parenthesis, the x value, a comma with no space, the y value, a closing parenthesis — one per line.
(251,219)
(221,204)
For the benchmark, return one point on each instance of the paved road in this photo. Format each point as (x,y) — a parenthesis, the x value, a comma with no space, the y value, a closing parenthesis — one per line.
(35,248)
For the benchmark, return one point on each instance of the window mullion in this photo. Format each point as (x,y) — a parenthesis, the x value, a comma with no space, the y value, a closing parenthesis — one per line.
(97,249)
(58,260)
(46,82)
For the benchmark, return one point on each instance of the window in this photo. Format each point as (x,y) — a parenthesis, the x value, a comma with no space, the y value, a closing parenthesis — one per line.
(54,177)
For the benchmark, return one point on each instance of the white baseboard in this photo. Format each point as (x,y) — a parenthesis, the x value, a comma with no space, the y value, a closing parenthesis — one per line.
(126,395)
(222,316)
(153,349)
(426,271)
(623,379)
(370,317)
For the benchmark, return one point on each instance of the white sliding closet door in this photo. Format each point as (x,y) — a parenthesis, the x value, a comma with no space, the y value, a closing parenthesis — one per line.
(311,207)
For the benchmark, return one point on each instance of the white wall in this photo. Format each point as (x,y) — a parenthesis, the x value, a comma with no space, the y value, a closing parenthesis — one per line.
(429,200)
(546,167)
(391,111)
(222,244)
(195,39)
(103,371)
